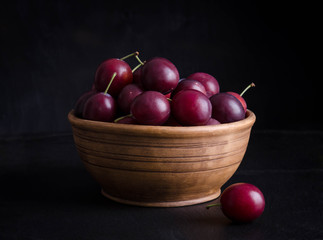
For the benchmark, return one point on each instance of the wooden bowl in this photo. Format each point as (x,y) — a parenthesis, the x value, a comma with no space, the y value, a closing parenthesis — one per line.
(161,166)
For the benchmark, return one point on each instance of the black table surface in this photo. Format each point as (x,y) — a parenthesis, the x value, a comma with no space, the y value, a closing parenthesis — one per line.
(46,193)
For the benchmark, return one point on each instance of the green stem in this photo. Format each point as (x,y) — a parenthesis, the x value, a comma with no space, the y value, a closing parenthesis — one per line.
(249,86)
(130,55)
(136,67)
(113,76)
(213,205)
(169,99)
(118,119)
(142,63)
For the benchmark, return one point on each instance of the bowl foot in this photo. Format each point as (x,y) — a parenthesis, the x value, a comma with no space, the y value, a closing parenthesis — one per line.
(165,203)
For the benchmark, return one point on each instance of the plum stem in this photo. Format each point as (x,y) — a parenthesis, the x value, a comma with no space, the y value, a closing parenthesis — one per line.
(138,66)
(119,118)
(130,55)
(213,205)
(142,63)
(249,86)
(113,76)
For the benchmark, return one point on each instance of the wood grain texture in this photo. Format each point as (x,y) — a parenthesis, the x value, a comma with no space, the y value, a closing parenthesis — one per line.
(159,165)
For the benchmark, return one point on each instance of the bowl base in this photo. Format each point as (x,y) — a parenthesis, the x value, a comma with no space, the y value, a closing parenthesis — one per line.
(165,203)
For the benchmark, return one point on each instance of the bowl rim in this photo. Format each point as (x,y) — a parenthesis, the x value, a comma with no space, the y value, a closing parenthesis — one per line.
(161,131)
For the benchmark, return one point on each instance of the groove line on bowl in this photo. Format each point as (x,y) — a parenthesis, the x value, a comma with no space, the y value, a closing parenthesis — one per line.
(151,143)
(96,153)
(154,171)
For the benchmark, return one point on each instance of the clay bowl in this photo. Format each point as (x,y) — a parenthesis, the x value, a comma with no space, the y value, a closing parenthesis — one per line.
(161,166)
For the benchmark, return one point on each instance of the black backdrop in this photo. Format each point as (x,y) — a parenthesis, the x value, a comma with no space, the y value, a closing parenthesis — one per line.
(51,49)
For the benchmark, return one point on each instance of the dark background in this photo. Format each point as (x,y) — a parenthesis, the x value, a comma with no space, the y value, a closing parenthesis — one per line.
(50,51)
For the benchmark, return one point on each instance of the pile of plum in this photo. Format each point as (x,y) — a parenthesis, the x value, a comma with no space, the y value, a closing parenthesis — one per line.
(153,94)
